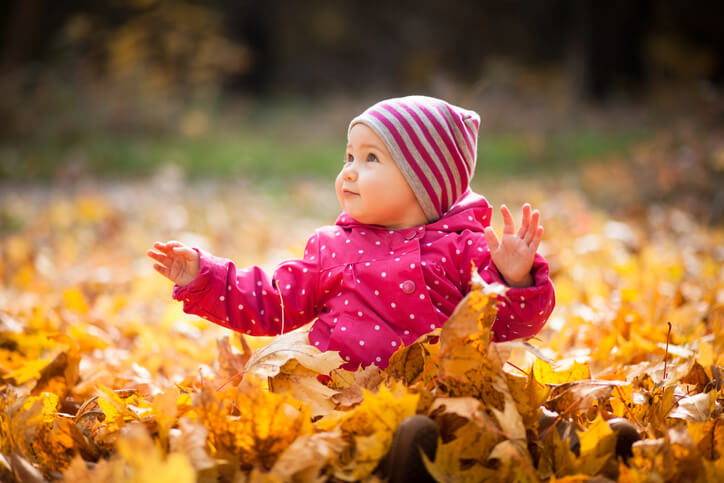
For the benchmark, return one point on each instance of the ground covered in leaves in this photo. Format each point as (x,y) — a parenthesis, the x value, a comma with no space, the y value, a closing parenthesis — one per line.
(104,379)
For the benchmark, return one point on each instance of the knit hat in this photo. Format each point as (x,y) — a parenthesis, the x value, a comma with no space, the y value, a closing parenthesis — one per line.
(433,143)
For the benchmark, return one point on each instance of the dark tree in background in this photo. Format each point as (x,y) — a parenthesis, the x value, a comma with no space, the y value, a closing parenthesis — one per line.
(316,46)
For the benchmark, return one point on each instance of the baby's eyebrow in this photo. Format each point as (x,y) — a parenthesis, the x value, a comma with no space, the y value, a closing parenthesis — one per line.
(366,145)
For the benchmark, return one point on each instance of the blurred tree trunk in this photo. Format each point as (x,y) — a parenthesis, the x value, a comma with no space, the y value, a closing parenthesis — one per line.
(21,31)
(606,49)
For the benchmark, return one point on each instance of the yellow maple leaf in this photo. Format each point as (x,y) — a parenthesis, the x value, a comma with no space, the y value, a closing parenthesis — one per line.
(572,371)
(370,426)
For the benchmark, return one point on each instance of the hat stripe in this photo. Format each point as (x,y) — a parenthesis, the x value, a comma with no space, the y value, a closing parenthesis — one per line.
(400,146)
(421,153)
(450,145)
(454,183)
(435,149)
(459,142)
(459,120)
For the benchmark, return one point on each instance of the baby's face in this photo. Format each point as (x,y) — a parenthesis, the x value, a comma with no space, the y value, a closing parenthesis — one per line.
(371,188)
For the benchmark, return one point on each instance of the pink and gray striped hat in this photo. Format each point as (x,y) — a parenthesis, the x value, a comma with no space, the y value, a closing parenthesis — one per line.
(433,143)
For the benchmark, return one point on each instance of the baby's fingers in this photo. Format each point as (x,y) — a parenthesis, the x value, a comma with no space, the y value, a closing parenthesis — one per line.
(492,238)
(525,221)
(508,223)
(162,270)
(532,227)
(161,258)
(536,238)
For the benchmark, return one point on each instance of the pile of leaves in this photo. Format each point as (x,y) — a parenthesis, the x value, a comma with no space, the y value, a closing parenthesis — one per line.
(102,378)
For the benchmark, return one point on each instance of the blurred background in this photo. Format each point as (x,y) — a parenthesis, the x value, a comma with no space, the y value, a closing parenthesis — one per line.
(569,91)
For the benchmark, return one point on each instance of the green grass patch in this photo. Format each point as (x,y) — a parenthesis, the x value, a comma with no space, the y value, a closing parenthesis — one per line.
(261,155)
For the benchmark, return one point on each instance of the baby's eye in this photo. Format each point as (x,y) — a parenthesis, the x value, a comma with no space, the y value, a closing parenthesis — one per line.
(348,159)
(372,158)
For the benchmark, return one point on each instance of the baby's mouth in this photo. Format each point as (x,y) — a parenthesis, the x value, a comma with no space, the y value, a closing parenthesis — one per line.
(348,193)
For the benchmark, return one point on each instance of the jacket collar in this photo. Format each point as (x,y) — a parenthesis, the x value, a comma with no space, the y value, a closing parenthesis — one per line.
(471,212)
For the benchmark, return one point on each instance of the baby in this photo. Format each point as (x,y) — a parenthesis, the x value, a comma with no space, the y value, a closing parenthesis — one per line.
(399,258)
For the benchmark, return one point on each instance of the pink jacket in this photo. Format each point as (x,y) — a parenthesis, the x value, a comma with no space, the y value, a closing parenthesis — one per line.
(370,289)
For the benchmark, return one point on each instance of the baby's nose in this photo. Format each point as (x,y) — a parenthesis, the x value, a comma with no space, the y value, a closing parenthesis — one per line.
(349,173)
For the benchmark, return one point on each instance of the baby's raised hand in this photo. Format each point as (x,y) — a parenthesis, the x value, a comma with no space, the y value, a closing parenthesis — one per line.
(175,261)
(513,254)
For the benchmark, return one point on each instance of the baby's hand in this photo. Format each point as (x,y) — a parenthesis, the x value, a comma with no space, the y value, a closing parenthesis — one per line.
(176,261)
(513,255)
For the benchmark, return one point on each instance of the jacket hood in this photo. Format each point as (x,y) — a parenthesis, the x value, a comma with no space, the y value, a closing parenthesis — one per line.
(471,212)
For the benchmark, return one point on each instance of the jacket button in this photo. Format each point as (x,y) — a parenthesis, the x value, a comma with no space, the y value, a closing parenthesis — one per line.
(408,286)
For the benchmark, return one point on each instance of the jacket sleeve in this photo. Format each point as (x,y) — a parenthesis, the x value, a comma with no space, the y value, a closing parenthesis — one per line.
(524,311)
(249,300)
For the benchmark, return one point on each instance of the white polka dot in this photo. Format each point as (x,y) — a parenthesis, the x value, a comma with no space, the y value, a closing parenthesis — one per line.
(361,342)
(289,268)
(241,307)
(394,344)
(348,240)
(436,282)
(305,270)
(261,312)
(343,328)
(522,305)
(393,305)
(412,316)
(263,292)
(316,343)
(362,233)
(422,296)
(258,283)
(397,259)
(324,246)
(346,358)
(445,226)
(377,292)
(221,298)
(377,243)
(470,218)
(367,264)
(391,231)
(227,319)
(228,288)
(360,251)
(392,252)
(288,287)
(378,359)
(276,319)
(522,298)
(311,258)
(407,332)
(334,254)
(359,313)
(412,265)
(423,263)
(346,302)
(432,326)
(512,316)
(384,274)
(540,313)
(304,290)
(444,259)
(377,327)
(335,320)
(457,252)
(470,242)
